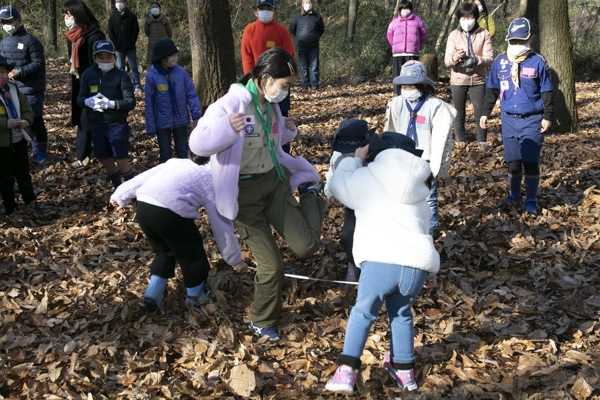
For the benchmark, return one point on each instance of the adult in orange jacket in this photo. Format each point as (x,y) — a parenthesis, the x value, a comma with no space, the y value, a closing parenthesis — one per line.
(262,35)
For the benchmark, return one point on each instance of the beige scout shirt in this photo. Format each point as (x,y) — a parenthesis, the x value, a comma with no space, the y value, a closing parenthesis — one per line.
(256,158)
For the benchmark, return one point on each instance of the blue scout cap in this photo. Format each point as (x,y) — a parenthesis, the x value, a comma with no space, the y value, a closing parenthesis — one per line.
(103,45)
(519,29)
(9,12)
(265,3)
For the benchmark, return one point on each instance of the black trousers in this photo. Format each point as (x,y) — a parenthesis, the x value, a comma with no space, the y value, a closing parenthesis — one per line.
(347,239)
(14,164)
(173,239)
(38,127)
(459,98)
(84,144)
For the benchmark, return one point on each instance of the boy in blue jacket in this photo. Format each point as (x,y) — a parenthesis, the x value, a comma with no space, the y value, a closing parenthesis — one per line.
(170,98)
(108,92)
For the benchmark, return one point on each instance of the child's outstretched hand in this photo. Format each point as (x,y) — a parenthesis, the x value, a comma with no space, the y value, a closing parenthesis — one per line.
(237,121)
(362,153)
(115,204)
(289,123)
(430,283)
(240,267)
(335,202)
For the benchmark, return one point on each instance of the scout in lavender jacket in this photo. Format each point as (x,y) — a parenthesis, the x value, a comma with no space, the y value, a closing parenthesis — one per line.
(226,148)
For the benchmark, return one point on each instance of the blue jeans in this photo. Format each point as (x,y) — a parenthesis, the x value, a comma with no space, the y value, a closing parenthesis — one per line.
(309,59)
(132,58)
(432,200)
(180,138)
(398,286)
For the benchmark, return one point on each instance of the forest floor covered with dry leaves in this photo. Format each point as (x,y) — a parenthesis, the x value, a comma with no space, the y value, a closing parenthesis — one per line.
(515,315)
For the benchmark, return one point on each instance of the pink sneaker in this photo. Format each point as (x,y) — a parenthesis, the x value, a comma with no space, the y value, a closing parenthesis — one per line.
(353,273)
(404,379)
(343,381)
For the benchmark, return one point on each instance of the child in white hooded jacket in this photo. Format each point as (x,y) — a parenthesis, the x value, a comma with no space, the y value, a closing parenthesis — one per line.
(392,246)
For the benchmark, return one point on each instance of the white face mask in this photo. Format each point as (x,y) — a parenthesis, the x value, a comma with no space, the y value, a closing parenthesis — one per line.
(405,13)
(518,49)
(70,23)
(120,6)
(307,7)
(155,11)
(171,61)
(467,24)
(411,95)
(105,67)
(281,94)
(9,28)
(265,16)
(480,9)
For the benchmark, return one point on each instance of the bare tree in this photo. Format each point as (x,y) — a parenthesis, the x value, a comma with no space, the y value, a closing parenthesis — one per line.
(447,21)
(49,23)
(555,45)
(351,20)
(211,42)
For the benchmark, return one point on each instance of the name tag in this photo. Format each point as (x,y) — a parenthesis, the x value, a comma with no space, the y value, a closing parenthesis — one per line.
(94,89)
(421,122)
(2,110)
(270,44)
(528,72)
(20,46)
(163,87)
(504,85)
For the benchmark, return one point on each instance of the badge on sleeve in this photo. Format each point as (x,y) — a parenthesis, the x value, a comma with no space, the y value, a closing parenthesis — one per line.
(249,129)
(249,119)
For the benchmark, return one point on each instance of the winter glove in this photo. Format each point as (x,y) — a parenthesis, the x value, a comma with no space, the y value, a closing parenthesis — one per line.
(90,102)
(105,103)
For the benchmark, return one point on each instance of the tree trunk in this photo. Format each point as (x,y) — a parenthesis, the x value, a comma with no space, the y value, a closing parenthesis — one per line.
(396,8)
(49,23)
(449,18)
(211,43)
(431,63)
(555,45)
(351,21)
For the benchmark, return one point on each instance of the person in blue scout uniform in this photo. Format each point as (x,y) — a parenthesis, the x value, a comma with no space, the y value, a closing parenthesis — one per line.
(521,78)
(108,92)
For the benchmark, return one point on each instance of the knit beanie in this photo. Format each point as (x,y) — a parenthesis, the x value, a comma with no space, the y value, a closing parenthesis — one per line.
(163,48)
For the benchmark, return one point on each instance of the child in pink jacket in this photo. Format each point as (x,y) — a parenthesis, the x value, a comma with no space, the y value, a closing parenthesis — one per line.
(406,34)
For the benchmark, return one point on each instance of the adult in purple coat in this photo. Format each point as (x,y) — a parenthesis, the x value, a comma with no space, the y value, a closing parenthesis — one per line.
(406,34)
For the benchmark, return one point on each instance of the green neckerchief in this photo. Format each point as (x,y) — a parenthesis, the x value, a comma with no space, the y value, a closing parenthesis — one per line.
(267,126)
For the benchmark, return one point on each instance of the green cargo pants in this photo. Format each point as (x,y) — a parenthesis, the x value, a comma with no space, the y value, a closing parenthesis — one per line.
(263,201)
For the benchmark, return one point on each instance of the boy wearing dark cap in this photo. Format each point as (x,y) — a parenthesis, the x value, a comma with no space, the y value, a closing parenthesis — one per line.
(352,134)
(16,116)
(521,79)
(167,110)
(108,93)
(27,53)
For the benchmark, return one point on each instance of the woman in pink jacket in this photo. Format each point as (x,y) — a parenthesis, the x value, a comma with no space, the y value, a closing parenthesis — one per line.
(406,34)
(469,52)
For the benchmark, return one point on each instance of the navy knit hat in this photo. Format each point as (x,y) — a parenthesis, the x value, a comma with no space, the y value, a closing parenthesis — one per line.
(351,135)
(163,48)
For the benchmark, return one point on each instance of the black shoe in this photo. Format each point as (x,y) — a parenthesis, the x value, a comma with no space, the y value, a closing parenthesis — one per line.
(434,233)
